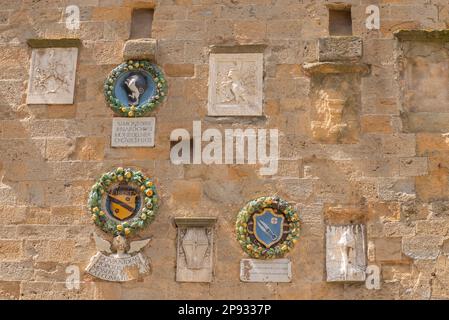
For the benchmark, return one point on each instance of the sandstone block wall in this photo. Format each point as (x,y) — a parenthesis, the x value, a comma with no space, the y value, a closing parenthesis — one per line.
(388,169)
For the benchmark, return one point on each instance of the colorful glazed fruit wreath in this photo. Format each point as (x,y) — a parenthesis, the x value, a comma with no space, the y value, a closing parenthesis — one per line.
(142,205)
(125,110)
(272,206)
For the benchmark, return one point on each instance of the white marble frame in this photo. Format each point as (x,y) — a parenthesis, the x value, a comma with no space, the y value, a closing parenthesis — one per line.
(254,107)
(64,71)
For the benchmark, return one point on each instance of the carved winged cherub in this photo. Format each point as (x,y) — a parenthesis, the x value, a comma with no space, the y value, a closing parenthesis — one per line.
(120,246)
(116,262)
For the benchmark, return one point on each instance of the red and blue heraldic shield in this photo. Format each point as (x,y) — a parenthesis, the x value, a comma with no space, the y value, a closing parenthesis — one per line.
(268,227)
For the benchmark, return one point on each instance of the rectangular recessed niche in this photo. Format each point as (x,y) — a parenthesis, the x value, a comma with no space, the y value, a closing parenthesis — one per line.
(423,64)
(142,20)
(340,21)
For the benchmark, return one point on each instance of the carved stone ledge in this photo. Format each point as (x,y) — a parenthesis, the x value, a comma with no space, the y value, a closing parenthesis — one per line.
(423,35)
(335,67)
(185,222)
(140,49)
(345,48)
(236,119)
(54,43)
(246,48)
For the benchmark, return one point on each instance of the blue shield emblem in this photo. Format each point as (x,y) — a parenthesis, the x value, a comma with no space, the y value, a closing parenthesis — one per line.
(268,227)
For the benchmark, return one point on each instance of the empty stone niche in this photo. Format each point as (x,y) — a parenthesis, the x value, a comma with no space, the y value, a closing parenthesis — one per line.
(141,46)
(423,64)
(195,245)
(345,253)
(141,23)
(340,20)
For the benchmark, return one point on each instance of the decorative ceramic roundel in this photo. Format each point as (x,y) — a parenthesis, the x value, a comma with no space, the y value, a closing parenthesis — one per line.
(135,88)
(267,227)
(123,201)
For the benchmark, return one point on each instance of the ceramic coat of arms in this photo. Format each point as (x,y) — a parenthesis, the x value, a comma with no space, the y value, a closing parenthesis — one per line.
(267,227)
(135,88)
(121,203)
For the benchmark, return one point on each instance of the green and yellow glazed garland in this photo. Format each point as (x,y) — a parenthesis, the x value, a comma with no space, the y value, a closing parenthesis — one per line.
(135,111)
(146,214)
(252,247)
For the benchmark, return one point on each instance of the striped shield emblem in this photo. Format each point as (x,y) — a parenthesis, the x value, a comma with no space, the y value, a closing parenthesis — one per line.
(122,206)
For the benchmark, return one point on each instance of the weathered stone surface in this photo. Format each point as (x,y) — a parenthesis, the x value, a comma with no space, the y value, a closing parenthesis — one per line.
(413,166)
(422,35)
(424,72)
(336,108)
(335,67)
(179,70)
(423,247)
(142,49)
(339,49)
(388,249)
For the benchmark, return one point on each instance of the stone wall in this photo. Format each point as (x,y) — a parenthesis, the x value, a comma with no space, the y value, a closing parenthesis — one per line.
(388,168)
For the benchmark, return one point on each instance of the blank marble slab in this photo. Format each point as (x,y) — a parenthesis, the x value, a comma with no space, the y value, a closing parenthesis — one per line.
(52,76)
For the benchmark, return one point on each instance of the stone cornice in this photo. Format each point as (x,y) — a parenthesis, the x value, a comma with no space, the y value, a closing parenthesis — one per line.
(195,221)
(54,43)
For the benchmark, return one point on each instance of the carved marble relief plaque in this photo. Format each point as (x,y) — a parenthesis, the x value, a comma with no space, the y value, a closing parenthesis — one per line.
(235,84)
(345,253)
(52,76)
(195,249)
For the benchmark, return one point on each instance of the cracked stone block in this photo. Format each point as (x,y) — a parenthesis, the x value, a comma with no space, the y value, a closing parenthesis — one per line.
(140,49)
(424,247)
(339,49)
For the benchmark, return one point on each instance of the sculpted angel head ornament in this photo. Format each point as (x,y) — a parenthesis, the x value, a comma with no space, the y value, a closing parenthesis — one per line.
(119,246)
